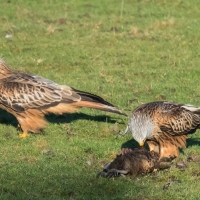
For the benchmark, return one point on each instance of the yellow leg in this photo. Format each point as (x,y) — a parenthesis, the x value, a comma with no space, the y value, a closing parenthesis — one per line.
(23,135)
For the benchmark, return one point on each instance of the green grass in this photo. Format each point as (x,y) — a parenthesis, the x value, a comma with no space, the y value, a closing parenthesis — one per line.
(128,52)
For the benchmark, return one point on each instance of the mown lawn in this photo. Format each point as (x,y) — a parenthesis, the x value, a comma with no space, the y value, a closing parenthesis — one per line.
(128,52)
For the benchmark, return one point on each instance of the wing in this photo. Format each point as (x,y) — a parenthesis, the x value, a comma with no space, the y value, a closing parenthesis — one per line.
(22,91)
(177,120)
(172,118)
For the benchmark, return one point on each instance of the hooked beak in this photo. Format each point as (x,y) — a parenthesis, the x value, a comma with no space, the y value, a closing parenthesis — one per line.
(141,144)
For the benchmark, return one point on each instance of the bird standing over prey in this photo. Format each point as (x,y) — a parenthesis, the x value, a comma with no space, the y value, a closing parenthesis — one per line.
(30,97)
(164,126)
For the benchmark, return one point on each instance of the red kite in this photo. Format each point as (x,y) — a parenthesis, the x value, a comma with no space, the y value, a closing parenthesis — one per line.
(30,97)
(164,126)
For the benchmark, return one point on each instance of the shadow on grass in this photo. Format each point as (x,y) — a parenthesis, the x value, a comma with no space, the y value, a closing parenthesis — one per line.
(51,185)
(193,142)
(70,117)
(132,144)
(7,118)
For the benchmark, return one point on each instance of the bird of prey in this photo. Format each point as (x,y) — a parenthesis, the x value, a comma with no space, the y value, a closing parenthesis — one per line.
(164,126)
(30,97)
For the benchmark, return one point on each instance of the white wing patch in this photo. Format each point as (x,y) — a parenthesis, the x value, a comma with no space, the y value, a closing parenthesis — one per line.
(191,108)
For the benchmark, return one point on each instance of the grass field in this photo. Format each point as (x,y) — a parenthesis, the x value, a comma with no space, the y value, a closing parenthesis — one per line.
(128,52)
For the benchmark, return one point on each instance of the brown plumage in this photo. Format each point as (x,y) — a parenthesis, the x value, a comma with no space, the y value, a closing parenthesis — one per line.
(30,97)
(164,126)
(137,162)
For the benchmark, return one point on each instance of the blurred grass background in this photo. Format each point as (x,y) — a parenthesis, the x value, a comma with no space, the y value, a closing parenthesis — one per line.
(128,52)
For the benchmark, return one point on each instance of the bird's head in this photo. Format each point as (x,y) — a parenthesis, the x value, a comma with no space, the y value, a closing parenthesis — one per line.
(140,138)
(141,128)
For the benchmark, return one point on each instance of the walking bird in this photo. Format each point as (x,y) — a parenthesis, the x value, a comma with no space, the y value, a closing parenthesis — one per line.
(30,97)
(164,126)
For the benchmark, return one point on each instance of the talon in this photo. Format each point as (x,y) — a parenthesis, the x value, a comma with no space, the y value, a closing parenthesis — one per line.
(102,174)
(114,173)
(23,135)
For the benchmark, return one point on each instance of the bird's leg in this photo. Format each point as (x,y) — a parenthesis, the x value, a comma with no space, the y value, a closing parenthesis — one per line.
(24,134)
(169,151)
(153,146)
(19,128)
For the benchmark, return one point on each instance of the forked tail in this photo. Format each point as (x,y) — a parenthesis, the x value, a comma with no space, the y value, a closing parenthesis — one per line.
(93,101)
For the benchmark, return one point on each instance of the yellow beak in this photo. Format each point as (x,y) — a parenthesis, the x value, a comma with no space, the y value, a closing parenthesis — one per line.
(141,144)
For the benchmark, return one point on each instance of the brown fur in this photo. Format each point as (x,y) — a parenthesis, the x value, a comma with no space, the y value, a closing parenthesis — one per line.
(136,162)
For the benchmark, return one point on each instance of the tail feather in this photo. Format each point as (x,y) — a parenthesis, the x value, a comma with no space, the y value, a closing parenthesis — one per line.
(93,101)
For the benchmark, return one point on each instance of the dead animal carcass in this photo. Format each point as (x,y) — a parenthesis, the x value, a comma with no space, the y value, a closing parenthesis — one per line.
(136,162)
